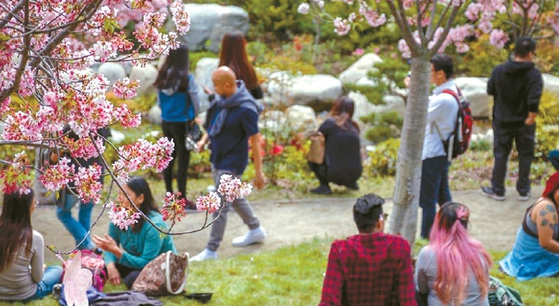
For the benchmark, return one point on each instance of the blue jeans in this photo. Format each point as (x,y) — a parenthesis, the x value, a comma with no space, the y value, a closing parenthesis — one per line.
(51,277)
(434,189)
(78,228)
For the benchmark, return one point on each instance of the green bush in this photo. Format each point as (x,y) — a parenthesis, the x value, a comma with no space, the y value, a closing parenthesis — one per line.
(382,160)
(194,57)
(481,145)
(372,94)
(385,126)
(547,125)
(380,133)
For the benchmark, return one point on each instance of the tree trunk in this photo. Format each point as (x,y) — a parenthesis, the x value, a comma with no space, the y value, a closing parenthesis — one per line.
(408,168)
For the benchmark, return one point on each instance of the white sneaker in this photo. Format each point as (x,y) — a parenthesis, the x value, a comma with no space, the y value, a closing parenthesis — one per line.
(256,235)
(205,255)
(525,197)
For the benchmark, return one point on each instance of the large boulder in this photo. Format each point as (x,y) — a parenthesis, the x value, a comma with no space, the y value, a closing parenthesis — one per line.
(551,83)
(362,106)
(360,68)
(475,92)
(273,121)
(112,71)
(212,21)
(146,75)
(203,74)
(301,119)
(303,90)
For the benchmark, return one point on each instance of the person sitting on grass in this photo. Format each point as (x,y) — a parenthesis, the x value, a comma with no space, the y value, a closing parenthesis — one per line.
(23,276)
(141,242)
(536,250)
(371,268)
(454,268)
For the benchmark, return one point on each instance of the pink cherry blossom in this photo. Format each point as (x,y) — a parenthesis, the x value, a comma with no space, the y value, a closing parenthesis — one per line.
(88,185)
(122,217)
(125,88)
(209,203)
(173,207)
(341,26)
(498,38)
(57,176)
(303,8)
(232,188)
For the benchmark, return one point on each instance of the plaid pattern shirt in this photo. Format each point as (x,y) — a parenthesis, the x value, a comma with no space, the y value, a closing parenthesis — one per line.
(371,270)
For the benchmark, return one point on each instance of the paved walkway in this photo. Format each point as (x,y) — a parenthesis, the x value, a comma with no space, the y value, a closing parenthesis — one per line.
(292,222)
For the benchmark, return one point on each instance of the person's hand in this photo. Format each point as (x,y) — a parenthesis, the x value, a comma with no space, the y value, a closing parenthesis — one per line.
(207,90)
(114,275)
(108,244)
(200,145)
(259,180)
(531,119)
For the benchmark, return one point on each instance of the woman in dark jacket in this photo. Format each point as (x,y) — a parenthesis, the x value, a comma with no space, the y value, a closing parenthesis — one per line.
(342,160)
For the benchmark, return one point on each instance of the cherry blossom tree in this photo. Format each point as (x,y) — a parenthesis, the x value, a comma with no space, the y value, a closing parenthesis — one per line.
(46,50)
(429,27)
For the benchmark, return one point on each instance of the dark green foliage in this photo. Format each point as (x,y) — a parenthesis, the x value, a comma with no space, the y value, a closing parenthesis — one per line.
(382,160)
(385,126)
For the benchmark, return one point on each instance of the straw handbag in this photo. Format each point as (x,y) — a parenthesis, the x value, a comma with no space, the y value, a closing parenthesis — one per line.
(316,151)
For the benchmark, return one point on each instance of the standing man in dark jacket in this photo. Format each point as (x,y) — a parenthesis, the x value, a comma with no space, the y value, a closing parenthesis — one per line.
(516,86)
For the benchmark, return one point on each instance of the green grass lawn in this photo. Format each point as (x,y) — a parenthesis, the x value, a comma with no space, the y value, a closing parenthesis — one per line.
(293,276)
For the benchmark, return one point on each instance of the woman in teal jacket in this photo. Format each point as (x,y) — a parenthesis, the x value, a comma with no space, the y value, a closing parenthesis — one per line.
(128,251)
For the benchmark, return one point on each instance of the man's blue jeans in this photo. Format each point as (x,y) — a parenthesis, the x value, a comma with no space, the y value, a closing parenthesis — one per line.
(78,228)
(434,189)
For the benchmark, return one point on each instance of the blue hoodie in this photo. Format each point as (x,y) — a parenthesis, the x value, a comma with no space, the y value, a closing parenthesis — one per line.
(230,123)
(174,103)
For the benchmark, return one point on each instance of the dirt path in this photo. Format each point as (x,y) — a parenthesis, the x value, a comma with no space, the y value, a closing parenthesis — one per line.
(494,223)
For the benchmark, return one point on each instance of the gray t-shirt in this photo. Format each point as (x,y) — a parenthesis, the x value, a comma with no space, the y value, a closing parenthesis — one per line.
(19,281)
(426,276)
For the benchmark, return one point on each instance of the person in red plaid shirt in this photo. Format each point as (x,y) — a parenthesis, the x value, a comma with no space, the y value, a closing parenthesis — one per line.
(371,268)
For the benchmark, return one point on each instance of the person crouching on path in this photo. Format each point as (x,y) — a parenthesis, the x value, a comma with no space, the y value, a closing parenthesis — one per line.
(231,121)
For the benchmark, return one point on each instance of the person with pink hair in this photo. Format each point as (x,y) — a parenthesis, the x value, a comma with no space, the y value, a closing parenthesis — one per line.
(454,268)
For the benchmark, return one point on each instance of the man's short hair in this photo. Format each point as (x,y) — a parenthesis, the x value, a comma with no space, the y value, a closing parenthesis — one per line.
(367,211)
(523,46)
(443,62)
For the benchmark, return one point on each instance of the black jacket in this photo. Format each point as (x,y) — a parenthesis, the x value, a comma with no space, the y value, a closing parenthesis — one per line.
(516,88)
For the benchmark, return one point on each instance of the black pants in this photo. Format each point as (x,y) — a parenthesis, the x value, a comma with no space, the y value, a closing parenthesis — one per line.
(320,172)
(129,275)
(177,132)
(524,137)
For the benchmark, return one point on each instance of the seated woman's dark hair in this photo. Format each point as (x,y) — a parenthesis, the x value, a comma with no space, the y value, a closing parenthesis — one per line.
(345,105)
(139,186)
(15,226)
(367,211)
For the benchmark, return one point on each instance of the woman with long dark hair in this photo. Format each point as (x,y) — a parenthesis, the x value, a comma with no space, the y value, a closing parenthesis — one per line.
(454,268)
(22,252)
(131,249)
(233,55)
(178,98)
(342,158)
(536,249)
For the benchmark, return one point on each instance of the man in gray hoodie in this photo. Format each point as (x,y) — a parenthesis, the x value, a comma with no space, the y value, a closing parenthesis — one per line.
(516,87)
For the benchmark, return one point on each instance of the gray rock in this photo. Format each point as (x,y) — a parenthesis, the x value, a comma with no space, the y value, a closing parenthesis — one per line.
(360,68)
(362,106)
(117,136)
(551,83)
(112,71)
(303,90)
(273,121)
(301,119)
(154,114)
(475,92)
(212,21)
(203,74)
(146,75)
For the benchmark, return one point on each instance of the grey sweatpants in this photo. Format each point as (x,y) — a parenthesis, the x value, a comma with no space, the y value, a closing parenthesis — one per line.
(241,206)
